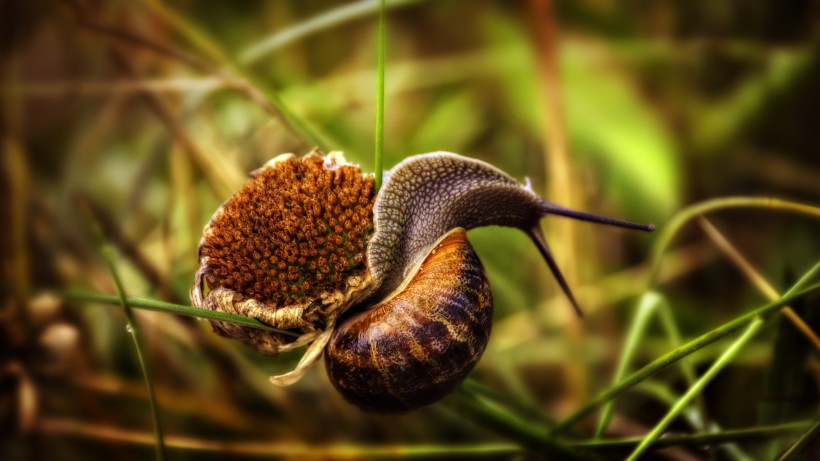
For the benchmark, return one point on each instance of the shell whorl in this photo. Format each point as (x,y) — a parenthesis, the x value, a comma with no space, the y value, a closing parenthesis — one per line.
(419,344)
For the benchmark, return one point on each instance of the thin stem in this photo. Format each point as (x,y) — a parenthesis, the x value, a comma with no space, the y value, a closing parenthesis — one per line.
(801,442)
(530,411)
(232,448)
(648,305)
(179,309)
(380,96)
(133,330)
(689,348)
(651,303)
(255,89)
(684,216)
(557,160)
(756,278)
(107,433)
(132,327)
(699,439)
(323,21)
(509,424)
(139,41)
(725,358)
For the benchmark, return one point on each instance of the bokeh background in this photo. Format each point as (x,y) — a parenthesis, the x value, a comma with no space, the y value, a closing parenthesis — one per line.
(152,113)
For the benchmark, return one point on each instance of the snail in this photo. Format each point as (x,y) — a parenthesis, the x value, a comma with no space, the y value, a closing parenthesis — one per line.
(385,284)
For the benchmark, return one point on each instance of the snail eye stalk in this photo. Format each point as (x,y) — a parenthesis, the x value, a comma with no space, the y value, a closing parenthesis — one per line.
(551,208)
(537,236)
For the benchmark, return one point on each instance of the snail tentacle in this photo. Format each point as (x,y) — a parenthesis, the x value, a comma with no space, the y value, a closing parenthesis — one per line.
(537,237)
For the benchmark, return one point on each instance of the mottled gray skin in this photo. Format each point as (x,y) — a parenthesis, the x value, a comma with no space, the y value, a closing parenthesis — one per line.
(427,195)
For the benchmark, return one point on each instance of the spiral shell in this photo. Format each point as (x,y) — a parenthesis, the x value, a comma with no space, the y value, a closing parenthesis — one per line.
(418,344)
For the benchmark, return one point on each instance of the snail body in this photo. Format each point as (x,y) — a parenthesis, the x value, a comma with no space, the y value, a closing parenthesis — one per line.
(411,313)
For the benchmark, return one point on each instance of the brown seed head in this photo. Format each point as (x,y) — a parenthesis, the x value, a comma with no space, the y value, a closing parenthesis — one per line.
(298,229)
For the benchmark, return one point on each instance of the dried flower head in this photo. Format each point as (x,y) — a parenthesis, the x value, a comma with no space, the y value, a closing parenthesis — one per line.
(289,247)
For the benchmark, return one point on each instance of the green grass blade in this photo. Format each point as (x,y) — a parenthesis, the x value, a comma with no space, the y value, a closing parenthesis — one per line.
(669,231)
(699,439)
(652,303)
(492,415)
(801,443)
(380,96)
(699,385)
(689,348)
(257,89)
(161,306)
(647,306)
(133,330)
(324,21)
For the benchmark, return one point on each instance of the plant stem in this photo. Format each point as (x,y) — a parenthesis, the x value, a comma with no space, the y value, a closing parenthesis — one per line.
(687,349)
(699,439)
(256,89)
(380,96)
(648,304)
(699,385)
(161,306)
(323,21)
(133,330)
(492,415)
(106,433)
(801,442)
(684,216)
(756,278)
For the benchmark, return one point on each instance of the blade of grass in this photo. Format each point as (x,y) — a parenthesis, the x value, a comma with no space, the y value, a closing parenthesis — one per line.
(526,409)
(133,330)
(666,394)
(757,280)
(132,326)
(684,216)
(380,97)
(58,426)
(555,149)
(636,330)
(492,415)
(72,428)
(801,443)
(646,307)
(693,391)
(699,439)
(651,303)
(255,89)
(690,347)
(170,308)
(326,20)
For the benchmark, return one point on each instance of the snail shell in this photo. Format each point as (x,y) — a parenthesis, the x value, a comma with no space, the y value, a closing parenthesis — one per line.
(421,342)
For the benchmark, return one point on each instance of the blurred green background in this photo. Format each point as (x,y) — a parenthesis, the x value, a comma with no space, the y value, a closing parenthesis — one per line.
(153,113)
